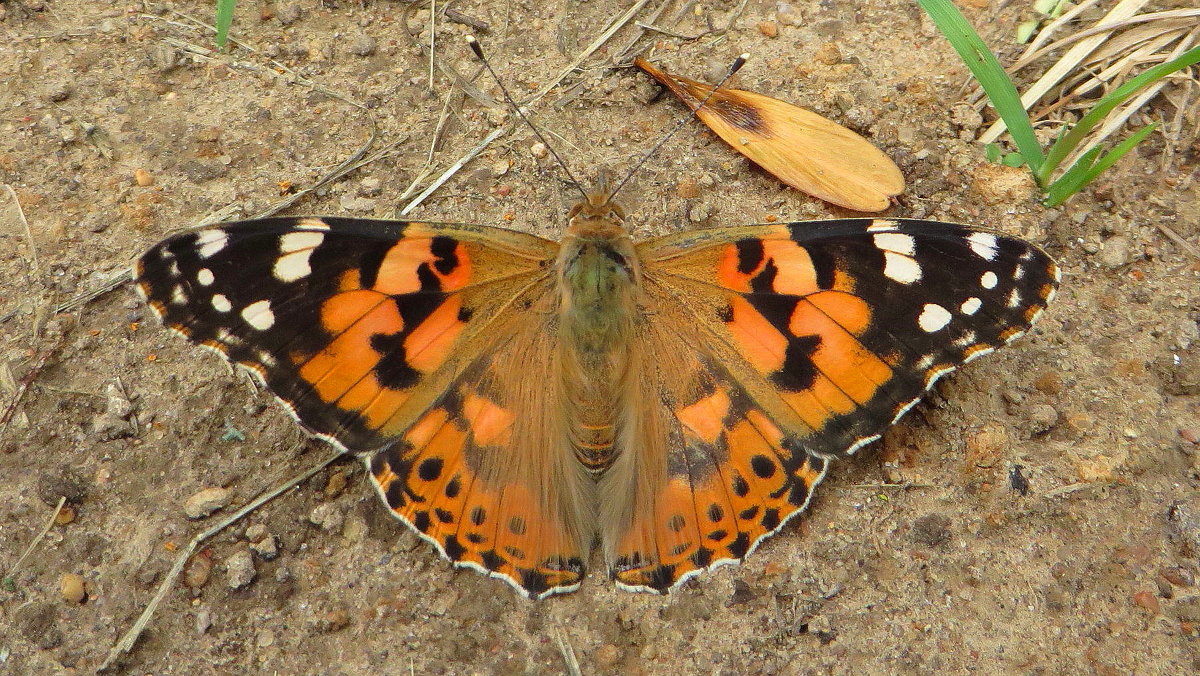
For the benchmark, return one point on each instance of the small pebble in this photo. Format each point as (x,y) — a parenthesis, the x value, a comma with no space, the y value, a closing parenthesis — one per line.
(198,570)
(1115,252)
(266,548)
(240,569)
(288,14)
(1042,418)
(768,28)
(787,15)
(334,620)
(73,588)
(265,638)
(607,656)
(538,150)
(363,45)
(828,54)
(687,189)
(1049,383)
(987,445)
(59,92)
(1148,601)
(206,502)
(65,515)
(370,187)
(256,532)
(1179,576)
(335,485)
(203,620)
(143,178)
(327,516)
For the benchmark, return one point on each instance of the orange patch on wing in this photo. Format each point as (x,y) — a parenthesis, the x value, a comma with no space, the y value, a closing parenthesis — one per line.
(850,312)
(819,403)
(758,341)
(352,308)
(705,417)
(429,343)
(421,433)
(855,371)
(795,274)
(351,280)
(490,424)
(398,272)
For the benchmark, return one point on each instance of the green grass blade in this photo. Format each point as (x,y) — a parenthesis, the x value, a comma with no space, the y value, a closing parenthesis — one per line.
(1071,140)
(1088,167)
(995,82)
(224,21)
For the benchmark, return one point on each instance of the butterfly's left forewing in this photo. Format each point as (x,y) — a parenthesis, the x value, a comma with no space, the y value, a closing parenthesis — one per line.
(804,342)
(429,348)
(354,324)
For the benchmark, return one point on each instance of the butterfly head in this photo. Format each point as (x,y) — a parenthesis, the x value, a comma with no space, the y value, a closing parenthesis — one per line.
(598,207)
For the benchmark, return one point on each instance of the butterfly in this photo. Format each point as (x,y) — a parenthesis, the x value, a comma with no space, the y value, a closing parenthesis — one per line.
(522,403)
(799,147)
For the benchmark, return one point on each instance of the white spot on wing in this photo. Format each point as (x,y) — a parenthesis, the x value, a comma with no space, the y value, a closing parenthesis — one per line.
(983,244)
(178,296)
(205,277)
(1014,298)
(896,241)
(970,306)
(900,268)
(259,315)
(295,249)
(209,242)
(977,354)
(880,224)
(933,317)
(988,280)
(221,303)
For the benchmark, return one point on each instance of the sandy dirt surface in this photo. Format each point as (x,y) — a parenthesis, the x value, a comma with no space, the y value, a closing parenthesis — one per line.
(1047,518)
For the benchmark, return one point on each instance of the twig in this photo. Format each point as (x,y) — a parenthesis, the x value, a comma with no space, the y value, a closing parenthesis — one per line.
(437,133)
(615,26)
(459,81)
(462,161)
(568,653)
(127,641)
(28,233)
(432,34)
(1179,241)
(89,296)
(1075,487)
(26,381)
(456,16)
(667,31)
(62,500)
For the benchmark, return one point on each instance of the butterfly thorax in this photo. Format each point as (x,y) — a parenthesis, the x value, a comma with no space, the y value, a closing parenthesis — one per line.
(599,282)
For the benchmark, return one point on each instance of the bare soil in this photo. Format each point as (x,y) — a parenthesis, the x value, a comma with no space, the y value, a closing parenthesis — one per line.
(1047,518)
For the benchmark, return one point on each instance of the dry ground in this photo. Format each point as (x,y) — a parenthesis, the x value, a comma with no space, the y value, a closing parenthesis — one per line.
(1090,570)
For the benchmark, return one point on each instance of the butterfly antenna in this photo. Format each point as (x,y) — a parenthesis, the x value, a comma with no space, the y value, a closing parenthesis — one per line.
(733,68)
(507,97)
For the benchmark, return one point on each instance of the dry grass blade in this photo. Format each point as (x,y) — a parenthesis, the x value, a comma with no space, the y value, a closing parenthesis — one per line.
(1066,65)
(613,27)
(33,543)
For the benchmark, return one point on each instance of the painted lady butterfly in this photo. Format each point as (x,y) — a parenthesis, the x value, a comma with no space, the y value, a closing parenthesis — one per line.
(520,402)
